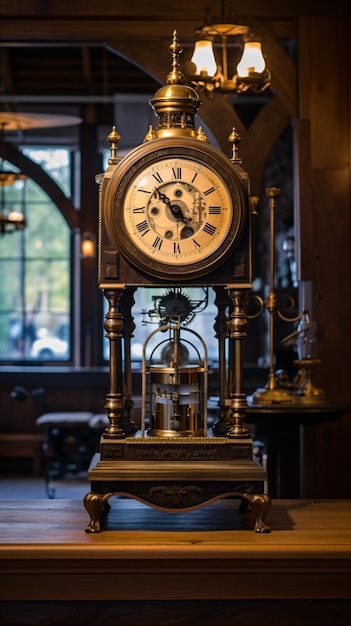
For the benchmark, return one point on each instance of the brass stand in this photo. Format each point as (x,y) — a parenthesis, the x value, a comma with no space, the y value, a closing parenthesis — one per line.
(176,475)
(271,393)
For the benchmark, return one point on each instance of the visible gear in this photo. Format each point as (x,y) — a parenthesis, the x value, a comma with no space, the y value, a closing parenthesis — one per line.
(175,306)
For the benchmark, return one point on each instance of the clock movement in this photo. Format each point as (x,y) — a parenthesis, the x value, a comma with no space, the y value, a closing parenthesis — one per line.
(174,214)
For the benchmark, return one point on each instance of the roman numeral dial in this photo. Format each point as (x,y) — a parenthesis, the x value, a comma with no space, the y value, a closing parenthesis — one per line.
(175,208)
(177,211)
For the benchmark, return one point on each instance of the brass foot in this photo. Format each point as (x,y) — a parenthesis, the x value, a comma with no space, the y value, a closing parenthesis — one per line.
(261,504)
(95,504)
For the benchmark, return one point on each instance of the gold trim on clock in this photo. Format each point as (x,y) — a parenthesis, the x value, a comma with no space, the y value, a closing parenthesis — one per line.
(176,209)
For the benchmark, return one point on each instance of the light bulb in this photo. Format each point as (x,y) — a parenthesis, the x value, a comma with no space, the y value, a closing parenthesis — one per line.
(87,246)
(15,216)
(203,57)
(252,60)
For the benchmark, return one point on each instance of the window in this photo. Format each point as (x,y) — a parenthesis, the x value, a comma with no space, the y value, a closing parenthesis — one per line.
(146,318)
(35,288)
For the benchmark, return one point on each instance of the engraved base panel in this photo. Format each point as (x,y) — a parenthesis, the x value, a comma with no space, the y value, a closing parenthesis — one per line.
(177,495)
(178,449)
(181,459)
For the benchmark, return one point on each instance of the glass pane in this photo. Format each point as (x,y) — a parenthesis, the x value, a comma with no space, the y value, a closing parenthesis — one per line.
(56,162)
(202,323)
(35,283)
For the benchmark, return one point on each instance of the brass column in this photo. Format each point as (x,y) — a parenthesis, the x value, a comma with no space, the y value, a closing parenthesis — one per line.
(125,306)
(222,300)
(237,327)
(114,399)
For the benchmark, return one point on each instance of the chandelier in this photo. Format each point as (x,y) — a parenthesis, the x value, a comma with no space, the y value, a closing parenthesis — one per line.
(208,75)
(10,220)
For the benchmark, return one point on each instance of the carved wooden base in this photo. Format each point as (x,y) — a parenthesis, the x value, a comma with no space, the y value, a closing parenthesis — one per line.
(185,476)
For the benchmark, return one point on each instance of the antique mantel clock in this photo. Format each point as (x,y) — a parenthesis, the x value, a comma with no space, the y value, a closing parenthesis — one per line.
(174,214)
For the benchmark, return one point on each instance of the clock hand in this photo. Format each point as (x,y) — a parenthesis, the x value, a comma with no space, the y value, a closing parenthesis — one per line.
(174,208)
(177,212)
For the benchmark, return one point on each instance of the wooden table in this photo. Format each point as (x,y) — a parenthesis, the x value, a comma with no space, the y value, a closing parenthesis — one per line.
(210,553)
(289,431)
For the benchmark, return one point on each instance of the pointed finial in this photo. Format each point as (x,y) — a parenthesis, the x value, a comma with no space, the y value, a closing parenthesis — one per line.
(235,139)
(176,103)
(176,75)
(201,135)
(114,138)
(150,135)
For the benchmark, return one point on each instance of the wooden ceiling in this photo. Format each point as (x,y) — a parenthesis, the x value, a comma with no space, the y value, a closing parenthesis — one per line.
(71,48)
(69,71)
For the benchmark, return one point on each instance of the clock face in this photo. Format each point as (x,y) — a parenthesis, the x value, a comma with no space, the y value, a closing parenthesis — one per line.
(176,212)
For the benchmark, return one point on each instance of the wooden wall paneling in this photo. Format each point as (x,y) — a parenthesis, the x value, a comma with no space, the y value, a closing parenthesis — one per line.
(330,203)
(323,148)
(259,140)
(303,60)
(324,201)
(281,66)
(89,318)
(348,87)
(16,416)
(328,93)
(303,215)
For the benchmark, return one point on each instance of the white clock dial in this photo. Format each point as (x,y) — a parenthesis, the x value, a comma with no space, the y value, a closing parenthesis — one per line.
(177,211)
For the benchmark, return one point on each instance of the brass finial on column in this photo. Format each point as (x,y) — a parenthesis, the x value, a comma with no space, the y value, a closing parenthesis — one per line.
(114,138)
(176,76)
(234,138)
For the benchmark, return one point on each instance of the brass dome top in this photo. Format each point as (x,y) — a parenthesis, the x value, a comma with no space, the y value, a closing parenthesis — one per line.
(176,103)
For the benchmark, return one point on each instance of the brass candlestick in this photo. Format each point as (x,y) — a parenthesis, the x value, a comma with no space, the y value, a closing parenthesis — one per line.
(271,393)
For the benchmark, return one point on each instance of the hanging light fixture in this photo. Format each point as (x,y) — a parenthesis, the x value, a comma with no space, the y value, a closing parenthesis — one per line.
(207,75)
(10,220)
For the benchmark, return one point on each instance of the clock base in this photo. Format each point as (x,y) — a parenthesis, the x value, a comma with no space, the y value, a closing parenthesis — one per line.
(177,475)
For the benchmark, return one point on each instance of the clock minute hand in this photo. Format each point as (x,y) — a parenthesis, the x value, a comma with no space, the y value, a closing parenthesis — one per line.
(161,196)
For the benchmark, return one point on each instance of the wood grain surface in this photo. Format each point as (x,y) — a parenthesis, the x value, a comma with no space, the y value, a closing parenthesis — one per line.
(144,554)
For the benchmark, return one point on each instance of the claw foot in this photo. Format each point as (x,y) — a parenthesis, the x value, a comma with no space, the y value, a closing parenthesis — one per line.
(261,504)
(95,504)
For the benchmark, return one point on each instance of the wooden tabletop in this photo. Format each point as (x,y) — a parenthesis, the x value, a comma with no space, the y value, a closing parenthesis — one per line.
(147,554)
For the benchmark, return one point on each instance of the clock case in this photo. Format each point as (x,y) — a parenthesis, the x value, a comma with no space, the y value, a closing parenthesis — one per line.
(176,473)
(120,263)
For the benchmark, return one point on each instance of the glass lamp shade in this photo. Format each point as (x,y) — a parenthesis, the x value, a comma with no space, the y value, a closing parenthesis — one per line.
(252,60)
(87,246)
(15,216)
(203,57)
